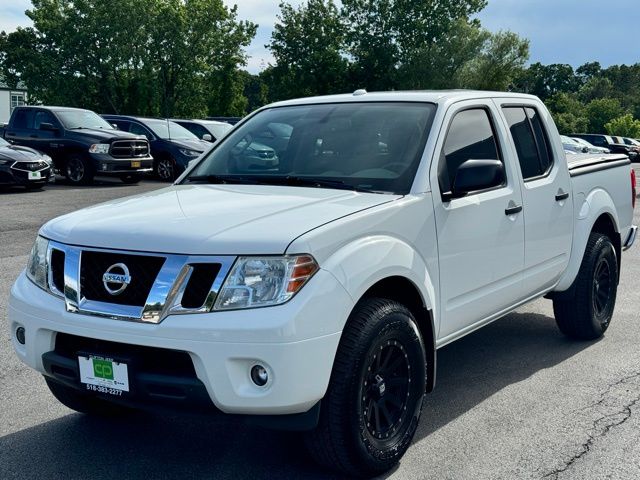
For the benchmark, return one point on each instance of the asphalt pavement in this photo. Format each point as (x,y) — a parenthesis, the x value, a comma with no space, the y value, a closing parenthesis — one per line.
(513,400)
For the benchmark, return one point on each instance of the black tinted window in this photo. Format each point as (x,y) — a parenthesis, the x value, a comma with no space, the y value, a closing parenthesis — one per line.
(542,140)
(470,137)
(530,139)
(22,119)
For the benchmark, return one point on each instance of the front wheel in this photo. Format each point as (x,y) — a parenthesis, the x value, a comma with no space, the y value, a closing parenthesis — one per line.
(166,169)
(585,310)
(371,410)
(79,170)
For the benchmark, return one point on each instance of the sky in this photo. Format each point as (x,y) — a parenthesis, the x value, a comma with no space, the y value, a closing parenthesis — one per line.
(560,31)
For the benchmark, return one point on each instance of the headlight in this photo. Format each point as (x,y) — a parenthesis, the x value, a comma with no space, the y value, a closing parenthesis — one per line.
(189,153)
(264,281)
(99,148)
(37,267)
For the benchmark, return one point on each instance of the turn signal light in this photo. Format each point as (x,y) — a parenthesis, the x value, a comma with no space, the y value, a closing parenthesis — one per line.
(302,271)
(633,188)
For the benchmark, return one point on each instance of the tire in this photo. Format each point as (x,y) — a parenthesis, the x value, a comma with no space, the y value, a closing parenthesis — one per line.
(79,170)
(130,179)
(166,169)
(85,403)
(366,421)
(584,311)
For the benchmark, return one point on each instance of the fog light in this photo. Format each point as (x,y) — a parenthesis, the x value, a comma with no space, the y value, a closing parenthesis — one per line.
(20,336)
(259,375)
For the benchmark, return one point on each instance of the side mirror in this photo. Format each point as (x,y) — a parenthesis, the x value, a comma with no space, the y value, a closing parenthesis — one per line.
(207,137)
(48,126)
(474,175)
(115,126)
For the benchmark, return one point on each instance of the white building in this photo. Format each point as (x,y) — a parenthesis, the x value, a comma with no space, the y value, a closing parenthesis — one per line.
(10,98)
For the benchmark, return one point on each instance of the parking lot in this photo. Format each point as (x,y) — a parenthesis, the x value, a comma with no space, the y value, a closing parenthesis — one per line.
(513,400)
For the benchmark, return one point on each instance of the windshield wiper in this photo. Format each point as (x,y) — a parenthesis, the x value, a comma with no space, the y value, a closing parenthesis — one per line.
(298,181)
(222,179)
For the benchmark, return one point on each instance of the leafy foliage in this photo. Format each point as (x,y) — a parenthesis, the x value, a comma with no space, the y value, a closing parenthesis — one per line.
(149,57)
(624,126)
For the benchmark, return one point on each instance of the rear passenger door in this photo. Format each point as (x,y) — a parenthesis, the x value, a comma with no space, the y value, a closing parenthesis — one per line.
(546,194)
(480,242)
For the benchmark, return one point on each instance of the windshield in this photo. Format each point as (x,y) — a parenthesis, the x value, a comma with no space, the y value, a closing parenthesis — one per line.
(360,146)
(217,129)
(164,129)
(82,119)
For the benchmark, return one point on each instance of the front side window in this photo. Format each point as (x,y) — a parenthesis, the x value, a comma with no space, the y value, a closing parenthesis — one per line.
(531,141)
(42,116)
(138,130)
(369,146)
(470,137)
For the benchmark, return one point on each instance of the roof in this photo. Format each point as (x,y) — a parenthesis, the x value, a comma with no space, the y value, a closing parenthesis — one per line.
(55,108)
(430,96)
(201,122)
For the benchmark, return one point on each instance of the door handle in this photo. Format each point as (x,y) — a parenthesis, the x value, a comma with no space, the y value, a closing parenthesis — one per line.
(512,210)
(560,196)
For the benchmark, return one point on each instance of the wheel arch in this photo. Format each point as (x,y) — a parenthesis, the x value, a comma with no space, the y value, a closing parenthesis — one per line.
(596,214)
(387,267)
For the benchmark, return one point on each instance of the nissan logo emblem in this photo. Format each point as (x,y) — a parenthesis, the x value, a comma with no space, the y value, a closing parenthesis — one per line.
(116,279)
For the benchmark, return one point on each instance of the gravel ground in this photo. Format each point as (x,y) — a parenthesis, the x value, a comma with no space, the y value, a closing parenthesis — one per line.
(513,400)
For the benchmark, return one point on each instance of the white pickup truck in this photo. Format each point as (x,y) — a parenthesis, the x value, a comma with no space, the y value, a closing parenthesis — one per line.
(311,290)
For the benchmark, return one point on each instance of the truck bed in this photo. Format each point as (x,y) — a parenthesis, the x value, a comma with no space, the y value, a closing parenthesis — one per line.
(582,164)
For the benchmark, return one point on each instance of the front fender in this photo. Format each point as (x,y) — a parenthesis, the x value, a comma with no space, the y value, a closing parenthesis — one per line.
(589,209)
(362,263)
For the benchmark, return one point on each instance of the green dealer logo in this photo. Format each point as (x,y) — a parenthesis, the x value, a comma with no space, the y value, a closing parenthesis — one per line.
(102,369)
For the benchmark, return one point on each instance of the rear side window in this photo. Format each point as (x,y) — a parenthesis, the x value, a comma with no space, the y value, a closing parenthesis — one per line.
(22,119)
(470,137)
(531,141)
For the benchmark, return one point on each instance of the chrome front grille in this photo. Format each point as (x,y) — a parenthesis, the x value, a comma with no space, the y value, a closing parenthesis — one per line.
(30,166)
(156,285)
(129,149)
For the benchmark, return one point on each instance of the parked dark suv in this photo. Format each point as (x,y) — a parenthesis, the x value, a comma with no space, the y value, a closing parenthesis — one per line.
(80,143)
(172,146)
(607,141)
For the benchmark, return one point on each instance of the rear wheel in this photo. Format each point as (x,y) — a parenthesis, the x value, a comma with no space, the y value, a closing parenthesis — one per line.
(585,310)
(79,170)
(371,410)
(166,169)
(84,403)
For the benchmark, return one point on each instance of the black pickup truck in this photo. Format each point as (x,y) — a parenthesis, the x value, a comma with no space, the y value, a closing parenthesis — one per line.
(80,142)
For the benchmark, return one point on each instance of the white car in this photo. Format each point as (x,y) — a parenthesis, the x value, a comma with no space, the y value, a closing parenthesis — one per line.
(314,294)
(571,145)
(590,148)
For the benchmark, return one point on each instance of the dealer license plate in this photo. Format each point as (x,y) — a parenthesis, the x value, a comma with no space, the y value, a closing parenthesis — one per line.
(135,164)
(103,374)
(35,175)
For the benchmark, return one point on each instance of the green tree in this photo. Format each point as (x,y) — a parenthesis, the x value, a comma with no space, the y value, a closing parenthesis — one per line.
(547,80)
(308,44)
(568,112)
(150,57)
(499,61)
(385,35)
(601,111)
(624,126)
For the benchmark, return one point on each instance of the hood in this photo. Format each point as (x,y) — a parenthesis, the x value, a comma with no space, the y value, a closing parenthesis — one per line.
(209,219)
(19,154)
(195,144)
(102,134)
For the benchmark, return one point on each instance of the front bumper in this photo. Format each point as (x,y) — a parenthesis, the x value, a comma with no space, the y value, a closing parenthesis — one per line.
(107,165)
(296,342)
(15,175)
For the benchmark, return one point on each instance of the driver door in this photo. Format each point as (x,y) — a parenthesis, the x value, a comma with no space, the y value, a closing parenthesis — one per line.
(481,235)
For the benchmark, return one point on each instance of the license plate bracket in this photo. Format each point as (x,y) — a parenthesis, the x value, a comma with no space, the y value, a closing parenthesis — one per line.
(104,374)
(135,164)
